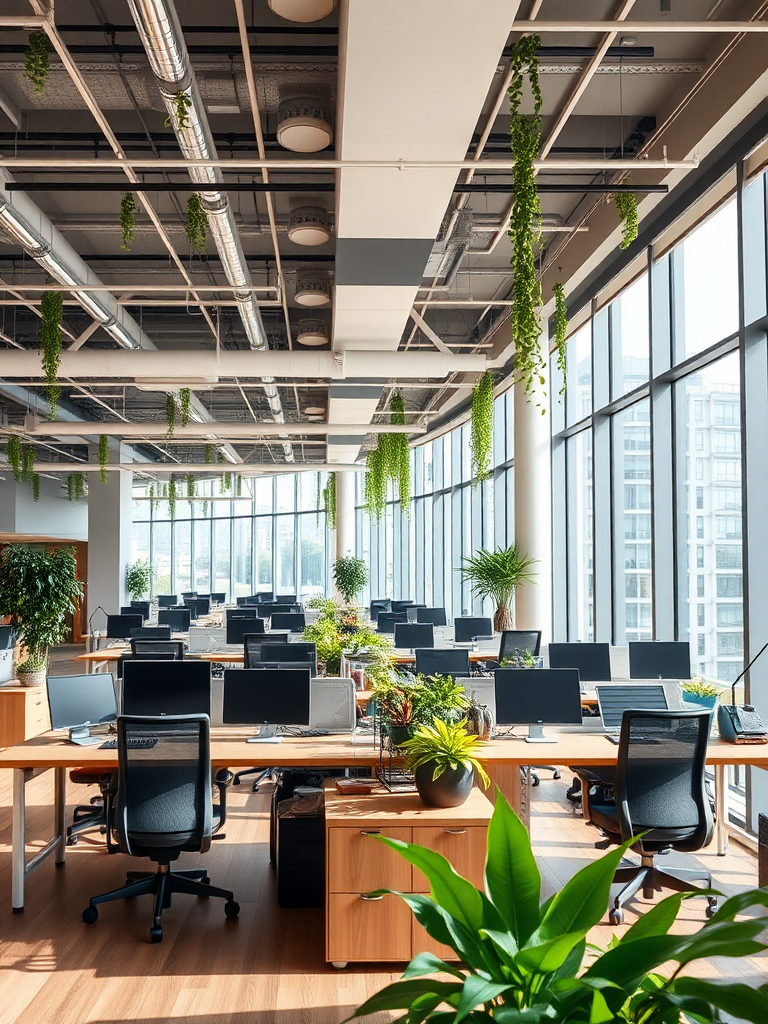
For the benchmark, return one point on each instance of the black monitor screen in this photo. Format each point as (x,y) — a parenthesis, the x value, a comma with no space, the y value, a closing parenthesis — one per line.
(155,688)
(151,633)
(277,696)
(442,663)
(119,626)
(294,622)
(81,700)
(201,605)
(242,613)
(414,634)
(275,652)
(434,615)
(659,659)
(141,606)
(386,621)
(166,600)
(176,618)
(218,597)
(528,696)
(592,660)
(467,629)
(238,628)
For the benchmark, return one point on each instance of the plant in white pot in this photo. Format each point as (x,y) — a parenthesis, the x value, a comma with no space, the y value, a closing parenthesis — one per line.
(38,589)
(497,574)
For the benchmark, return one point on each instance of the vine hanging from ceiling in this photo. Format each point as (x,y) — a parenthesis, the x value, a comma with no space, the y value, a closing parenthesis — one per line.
(561,330)
(51,310)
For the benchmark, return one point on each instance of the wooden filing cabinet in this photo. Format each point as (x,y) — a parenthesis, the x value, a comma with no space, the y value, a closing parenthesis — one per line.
(23,713)
(364,928)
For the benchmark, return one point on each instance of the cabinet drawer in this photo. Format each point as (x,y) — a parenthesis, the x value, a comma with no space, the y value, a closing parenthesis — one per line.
(358,863)
(360,929)
(464,848)
(424,943)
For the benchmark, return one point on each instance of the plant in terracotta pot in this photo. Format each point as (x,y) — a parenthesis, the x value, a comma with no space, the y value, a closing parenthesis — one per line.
(38,589)
(443,759)
(497,574)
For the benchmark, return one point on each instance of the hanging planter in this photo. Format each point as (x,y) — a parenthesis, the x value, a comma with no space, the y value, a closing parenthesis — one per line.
(561,330)
(197,223)
(626,207)
(14,457)
(209,453)
(127,219)
(375,483)
(37,60)
(481,428)
(170,413)
(401,454)
(172,499)
(52,310)
(185,399)
(191,490)
(75,487)
(329,501)
(525,220)
(103,457)
(36,487)
(181,105)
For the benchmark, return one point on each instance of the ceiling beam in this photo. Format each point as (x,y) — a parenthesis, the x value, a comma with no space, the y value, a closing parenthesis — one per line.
(235,431)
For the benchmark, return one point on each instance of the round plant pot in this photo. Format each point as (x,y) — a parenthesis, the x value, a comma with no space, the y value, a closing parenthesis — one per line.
(450,789)
(696,698)
(36,678)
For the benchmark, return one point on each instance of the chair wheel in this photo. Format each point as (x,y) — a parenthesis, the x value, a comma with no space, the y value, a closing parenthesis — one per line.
(235,781)
(102,830)
(711,908)
(535,780)
(90,915)
(555,775)
(616,915)
(72,840)
(155,934)
(231,909)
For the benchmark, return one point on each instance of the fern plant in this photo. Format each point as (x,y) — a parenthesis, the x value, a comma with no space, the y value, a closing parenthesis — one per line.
(561,330)
(37,60)
(52,310)
(446,745)
(481,428)
(197,223)
(127,219)
(497,574)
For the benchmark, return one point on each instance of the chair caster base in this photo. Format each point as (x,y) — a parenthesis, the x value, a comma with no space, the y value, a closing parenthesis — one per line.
(90,915)
(616,916)
(231,908)
(155,934)
(339,965)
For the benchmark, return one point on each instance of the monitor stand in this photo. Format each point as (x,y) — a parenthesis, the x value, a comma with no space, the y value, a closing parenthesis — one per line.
(81,735)
(266,735)
(536,735)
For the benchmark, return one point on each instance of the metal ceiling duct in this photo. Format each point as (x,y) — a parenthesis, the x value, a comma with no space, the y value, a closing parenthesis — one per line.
(161,35)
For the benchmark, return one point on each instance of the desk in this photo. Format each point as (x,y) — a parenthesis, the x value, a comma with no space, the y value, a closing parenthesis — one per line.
(502,759)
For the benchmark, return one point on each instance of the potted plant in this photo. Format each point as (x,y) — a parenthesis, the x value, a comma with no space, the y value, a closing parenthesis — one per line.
(443,759)
(138,578)
(522,961)
(350,575)
(697,691)
(497,574)
(406,701)
(38,589)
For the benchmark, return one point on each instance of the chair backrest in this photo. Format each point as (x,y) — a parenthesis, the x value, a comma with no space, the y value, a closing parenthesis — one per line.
(519,640)
(386,621)
(174,648)
(294,622)
(442,662)
(273,653)
(414,634)
(164,796)
(243,612)
(166,600)
(436,616)
(659,782)
(151,633)
(381,605)
(466,628)
(253,642)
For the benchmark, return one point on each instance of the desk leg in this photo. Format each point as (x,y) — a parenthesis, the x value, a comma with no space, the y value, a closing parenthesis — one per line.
(18,840)
(60,815)
(721,808)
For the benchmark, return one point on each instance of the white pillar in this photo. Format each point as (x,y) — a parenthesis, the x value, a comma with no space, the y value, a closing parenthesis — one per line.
(345,513)
(533,513)
(109,536)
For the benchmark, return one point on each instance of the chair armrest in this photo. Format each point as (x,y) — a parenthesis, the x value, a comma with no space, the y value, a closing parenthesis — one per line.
(222,780)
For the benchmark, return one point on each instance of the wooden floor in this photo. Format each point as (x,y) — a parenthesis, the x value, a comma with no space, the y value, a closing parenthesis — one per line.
(265,968)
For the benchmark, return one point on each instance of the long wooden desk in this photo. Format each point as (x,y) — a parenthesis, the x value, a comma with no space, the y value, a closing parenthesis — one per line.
(502,758)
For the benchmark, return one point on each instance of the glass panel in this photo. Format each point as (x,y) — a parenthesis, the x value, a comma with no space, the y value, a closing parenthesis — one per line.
(263,494)
(286,486)
(286,553)
(241,557)
(311,555)
(140,541)
(308,491)
(578,395)
(221,543)
(264,553)
(631,495)
(161,557)
(202,579)
(182,555)
(631,337)
(580,531)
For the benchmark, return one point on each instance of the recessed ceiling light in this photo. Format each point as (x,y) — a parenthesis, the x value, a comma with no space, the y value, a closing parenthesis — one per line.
(304,125)
(312,333)
(309,225)
(315,410)
(313,291)
(302,10)
(223,108)
(315,419)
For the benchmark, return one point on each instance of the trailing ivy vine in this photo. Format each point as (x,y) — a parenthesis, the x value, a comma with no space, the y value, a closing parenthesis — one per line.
(481,428)
(329,501)
(103,457)
(525,221)
(75,486)
(36,487)
(626,207)
(172,499)
(52,310)
(561,330)
(14,457)
(170,413)
(197,223)
(185,399)
(37,60)
(238,486)
(152,502)
(127,219)
(401,453)
(389,460)
(375,483)
(191,488)
(209,453)
(181,105)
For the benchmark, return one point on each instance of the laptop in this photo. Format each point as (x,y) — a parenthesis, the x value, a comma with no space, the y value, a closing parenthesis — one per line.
(203,640)
(613,699)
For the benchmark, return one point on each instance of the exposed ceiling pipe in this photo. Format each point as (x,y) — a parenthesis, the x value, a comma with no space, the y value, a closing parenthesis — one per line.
(199,469)
(238,430)
(160,32)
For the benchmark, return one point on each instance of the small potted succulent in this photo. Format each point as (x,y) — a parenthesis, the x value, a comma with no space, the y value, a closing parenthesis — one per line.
(698,691)
(443,759)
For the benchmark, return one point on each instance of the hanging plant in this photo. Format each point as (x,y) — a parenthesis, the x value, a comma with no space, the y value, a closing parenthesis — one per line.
(52,309)
(561,329)
(190,486)
(329,501)
(172,499)
(205,508)
(525,221)
(71,488)
(170,413)
(14,457)
(36,487)
(197,223)
(75,486)
(238,485)
(209,453)
(401,454)
(185,398)
(481,428)
(37,60)
(127,219)
(375,483)
(152,502)
(226,481)
(181,105)
(103,457)
(318,499)
(27,463)
(626,207)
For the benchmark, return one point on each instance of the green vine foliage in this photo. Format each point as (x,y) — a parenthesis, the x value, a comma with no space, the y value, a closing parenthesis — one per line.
(170,413)
(172,499)
(209,453)
(14,457)
(185,399)
(191,486)
(401,454)
(52,309)
(197,223)
(152,502)
(103,457)
(481,428)
(127,219)
(181,105)
(626,207)
(36,487)
(205,509)
(376,482)
(561,330)
(525,221)
(37,60)
(75,486)
(27,463)
(239,486)
(329,501)
(226,481)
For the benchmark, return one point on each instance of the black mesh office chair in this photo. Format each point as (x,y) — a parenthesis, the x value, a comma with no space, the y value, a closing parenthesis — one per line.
(658,790)
(163,807)
(380,605)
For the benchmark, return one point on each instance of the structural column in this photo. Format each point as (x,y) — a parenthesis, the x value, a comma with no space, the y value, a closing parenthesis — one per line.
(533,514)
(345,514)
(109,535)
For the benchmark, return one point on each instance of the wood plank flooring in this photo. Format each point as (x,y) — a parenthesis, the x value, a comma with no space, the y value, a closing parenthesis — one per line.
(265,968)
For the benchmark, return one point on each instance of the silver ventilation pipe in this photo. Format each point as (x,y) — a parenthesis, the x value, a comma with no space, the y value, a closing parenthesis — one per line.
(161,35)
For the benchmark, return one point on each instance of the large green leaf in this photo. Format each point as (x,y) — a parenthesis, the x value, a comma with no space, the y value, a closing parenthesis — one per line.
(512,879)
(658,920)
(726,938)
(438,924)
(528,1015)
(476,992)
(734,998)
(627,963)
(428,963)
(737,904)
(549,956)
(401,994)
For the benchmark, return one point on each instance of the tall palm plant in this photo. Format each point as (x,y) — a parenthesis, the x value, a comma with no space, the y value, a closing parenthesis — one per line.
(497,574)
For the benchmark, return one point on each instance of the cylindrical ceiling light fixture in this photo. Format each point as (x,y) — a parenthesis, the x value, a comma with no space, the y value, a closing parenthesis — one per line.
(302,10)
(309,225)
(312,333)
(315,410)
(313,290)
(304,125)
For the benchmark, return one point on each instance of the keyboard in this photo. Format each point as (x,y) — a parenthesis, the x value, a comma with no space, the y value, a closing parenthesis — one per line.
(135,743)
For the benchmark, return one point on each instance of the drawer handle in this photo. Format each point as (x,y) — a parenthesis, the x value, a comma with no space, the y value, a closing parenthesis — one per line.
(370,899)
(455,831)
(370,832)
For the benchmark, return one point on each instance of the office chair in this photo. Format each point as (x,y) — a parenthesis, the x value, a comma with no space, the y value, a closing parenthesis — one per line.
(385,622)
(440,662)
(94,814)
(155,647)
(252,643)
(164,807)
(294,622)
(154,656)
(519,640)
(382,605)
(658,790)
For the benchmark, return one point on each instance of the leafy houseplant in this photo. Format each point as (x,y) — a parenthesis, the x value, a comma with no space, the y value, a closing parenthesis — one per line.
(409,701)
(37,60)
(350,575)
(52,310)
(697,691)
(497,574)
(561,330)
(103,457)
(138,578)
(443,759)
(329,501)
(526,962)
(127,219)
(332,642)
(197,223)
(517,659)
(481,428)
(14,457)
(38,589)
(626,207)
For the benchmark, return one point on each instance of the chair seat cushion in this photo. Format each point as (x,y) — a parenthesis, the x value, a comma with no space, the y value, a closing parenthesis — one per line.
(604,816)
(89,776)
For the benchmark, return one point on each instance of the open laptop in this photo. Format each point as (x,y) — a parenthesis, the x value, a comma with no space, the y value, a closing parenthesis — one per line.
(203,639)
(613,699)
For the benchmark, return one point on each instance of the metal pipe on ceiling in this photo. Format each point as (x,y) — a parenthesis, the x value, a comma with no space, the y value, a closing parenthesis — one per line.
(304,166)
(198,469)
(643,27)
(235,431)
(223,188)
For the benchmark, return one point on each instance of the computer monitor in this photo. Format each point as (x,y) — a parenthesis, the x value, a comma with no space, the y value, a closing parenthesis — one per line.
(157,688)
(136,606)
(244,602)
(243,612)
(187,594)
(468,628)
(538,697)
(434,615)
(592,660)
(119,626)
(177,618)
(191,608)
(659,659)
(166,600)
(449,662)
(377,606)
(151,633)
(414,634)
(279,653)
(400,606)
(238,627)
(202,605)
(265,597)
(78,702)
(253,642)
(266,697)
(614,699)
(294,622)
(386,621)
(286,598)
(277,609)
(218,597)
